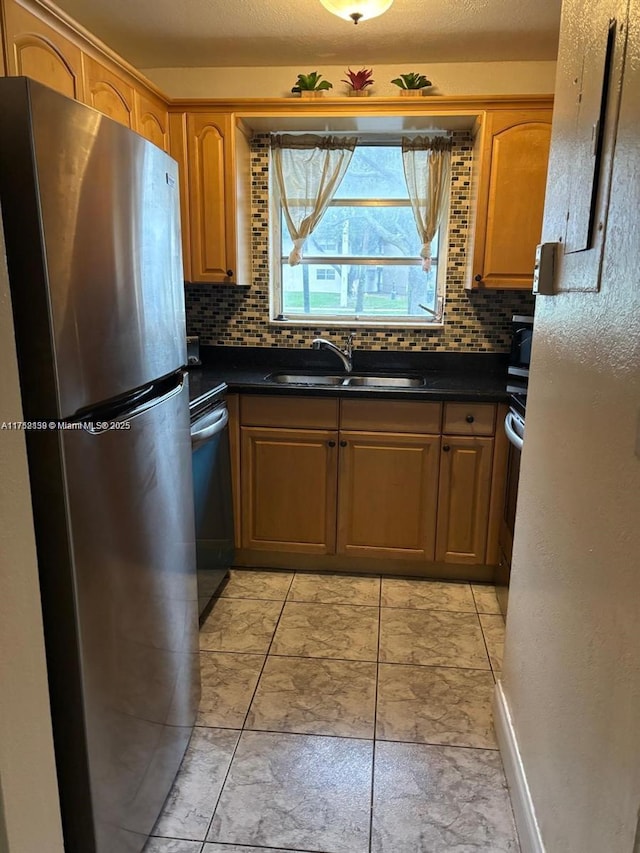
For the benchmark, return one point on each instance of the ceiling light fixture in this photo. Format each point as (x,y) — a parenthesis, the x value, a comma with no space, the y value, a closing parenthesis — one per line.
(357,10)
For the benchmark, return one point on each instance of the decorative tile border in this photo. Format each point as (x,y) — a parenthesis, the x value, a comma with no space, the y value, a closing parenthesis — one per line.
(474,321)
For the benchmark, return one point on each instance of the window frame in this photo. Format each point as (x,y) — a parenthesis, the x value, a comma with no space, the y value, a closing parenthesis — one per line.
(276,260)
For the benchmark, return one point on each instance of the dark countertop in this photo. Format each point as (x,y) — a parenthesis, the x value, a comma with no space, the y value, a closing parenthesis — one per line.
(479,377)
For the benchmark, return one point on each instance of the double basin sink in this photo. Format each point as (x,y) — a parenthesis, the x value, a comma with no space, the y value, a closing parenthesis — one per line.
(346,380)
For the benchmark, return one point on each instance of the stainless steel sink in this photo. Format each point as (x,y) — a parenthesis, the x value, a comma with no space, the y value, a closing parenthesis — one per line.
(346,380)
(305,379)
(387,381)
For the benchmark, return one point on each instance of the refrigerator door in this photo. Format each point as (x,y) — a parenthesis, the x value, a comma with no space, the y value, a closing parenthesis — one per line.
(94,240)
(131,528)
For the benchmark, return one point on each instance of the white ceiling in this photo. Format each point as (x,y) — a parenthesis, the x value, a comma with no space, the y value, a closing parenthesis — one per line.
(193,33)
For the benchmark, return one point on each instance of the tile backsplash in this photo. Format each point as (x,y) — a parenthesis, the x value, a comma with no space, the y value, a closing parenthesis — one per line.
(225,315)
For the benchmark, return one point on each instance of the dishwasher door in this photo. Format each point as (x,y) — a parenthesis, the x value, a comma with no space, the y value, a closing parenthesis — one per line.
(213,501)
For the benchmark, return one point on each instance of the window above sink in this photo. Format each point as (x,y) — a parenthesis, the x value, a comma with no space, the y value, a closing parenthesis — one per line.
(362,264)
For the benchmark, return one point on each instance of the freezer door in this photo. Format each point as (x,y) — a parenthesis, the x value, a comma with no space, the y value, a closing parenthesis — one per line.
(130,517)
(100,241)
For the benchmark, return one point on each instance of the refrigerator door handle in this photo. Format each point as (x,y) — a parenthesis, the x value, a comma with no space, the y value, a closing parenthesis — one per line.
(119,421)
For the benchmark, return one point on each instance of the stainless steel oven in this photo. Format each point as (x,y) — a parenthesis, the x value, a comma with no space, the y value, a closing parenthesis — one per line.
(514,426)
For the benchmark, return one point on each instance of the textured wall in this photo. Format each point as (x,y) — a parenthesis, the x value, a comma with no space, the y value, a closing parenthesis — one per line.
(571,667)
(474,321)
(449,78)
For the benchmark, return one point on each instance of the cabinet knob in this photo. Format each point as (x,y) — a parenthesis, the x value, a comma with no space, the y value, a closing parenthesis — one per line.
(230,273)
(469,419)
(477,277)
(343,444)
(331,443)
(446,448)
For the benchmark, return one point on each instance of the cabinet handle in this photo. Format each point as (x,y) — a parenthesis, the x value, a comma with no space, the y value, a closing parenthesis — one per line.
(477,277)
(469,419)
(230,273)
(343,444)
(331,443)
(446,448)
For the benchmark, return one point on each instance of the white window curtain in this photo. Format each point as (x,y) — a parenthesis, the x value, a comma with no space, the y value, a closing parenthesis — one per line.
(427,171)
(308,170)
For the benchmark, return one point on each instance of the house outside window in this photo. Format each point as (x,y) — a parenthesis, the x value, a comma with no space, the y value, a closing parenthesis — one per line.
(362,264)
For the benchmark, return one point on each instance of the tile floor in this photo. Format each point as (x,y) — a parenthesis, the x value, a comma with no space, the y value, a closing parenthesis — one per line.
(343,715)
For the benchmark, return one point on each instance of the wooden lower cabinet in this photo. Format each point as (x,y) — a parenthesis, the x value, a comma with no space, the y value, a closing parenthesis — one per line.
(311,484)
(289,489)
(463,499)
(387,494)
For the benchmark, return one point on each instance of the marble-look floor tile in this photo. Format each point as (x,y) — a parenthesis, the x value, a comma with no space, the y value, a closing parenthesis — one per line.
(427,595)
(432,638)
(485,598)
(493,630)
(190,804)
(327,631)
(240,625)
(235,848)
(297,792)
(335,589)
(315,696)
(228,682)
(438,705)
(249,584)
(438,799)
(171,845)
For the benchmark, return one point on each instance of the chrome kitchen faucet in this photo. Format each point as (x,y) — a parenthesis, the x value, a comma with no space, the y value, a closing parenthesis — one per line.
(345,355)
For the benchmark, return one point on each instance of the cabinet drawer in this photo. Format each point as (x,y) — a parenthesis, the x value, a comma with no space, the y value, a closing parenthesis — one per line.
(391,416)
(469,418)
(289,412)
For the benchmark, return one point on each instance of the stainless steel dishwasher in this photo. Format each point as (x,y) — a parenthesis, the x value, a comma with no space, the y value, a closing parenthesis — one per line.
(212,496)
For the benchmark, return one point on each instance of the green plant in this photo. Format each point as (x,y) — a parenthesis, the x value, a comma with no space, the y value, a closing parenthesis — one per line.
(412,81)
(311,83)
(359,80)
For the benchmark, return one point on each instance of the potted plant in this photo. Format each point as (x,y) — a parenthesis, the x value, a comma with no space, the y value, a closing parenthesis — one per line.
(358,81)
(412,83)
(310,86)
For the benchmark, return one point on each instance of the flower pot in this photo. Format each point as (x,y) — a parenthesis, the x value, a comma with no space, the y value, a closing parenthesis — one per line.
(412,93)
(308,94)
(358,93)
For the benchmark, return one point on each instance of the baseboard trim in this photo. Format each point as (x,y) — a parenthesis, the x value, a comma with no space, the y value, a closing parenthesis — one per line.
(524,813)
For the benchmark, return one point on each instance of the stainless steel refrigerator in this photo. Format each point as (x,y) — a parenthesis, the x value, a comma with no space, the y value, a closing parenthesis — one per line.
(92,232)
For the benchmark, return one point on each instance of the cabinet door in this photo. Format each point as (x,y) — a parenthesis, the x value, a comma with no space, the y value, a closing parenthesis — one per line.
(36,50)
(210,198)
(289,489)
(463,499)
(511,199)
(387,492)
(151,119)
(107,92)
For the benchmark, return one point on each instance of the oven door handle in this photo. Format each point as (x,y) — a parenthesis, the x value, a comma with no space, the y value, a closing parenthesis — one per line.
(512,435)
(200,436)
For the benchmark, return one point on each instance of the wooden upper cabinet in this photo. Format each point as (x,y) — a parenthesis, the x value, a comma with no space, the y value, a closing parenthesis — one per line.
(151,119)
(219,198)
(512,163)
(107,92)
(211,244)
(37,50)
